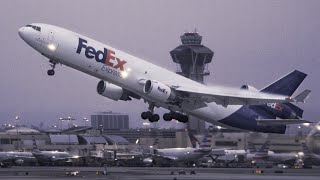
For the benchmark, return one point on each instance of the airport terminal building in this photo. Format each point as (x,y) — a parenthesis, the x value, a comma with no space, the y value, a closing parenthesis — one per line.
(110,133)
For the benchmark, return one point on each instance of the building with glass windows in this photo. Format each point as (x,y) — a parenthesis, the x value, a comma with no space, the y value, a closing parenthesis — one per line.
(109,120)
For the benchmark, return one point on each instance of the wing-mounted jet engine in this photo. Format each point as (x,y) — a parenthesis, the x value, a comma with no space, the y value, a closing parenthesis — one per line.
(158,91)
(115,92)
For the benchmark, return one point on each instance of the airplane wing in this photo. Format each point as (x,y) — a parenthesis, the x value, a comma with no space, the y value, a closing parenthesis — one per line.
(269,122)
(227,96)
(167,158)
(218,152)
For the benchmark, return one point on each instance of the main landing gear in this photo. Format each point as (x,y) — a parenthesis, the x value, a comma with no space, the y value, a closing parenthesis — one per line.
(51,71)
(150,114)
(152,117)
(177,116)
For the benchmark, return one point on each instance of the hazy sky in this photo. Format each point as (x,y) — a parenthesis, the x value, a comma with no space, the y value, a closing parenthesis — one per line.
(255,42)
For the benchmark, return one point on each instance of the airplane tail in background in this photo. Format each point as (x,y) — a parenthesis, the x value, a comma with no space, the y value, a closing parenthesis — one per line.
(206,141)
(286,85)
(262,153)
(35,147)
(251,147)
(265,147)
(194,141)
(204,144)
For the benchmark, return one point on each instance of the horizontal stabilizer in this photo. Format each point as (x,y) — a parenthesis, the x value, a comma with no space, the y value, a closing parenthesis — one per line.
(302,96)
(270,122)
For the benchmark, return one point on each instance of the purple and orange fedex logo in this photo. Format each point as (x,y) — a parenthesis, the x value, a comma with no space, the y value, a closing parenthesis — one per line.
(107,57)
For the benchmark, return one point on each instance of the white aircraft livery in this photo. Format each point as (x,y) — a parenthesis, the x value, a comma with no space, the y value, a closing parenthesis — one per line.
(124,77)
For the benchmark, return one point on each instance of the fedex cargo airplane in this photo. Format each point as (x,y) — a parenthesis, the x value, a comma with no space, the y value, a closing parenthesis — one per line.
(124,77)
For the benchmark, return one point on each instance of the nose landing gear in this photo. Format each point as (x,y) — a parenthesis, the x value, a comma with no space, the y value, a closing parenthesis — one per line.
(51,72)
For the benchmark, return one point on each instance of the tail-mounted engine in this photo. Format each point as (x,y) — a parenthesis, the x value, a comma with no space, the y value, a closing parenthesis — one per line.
(249,88)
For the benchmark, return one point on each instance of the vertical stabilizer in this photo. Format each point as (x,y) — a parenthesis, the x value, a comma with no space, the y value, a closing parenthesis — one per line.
(206,141)
(286,85)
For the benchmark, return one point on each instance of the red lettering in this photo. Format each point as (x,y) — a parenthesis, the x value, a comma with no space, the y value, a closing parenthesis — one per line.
(110,56)
(278,107)
(120,64)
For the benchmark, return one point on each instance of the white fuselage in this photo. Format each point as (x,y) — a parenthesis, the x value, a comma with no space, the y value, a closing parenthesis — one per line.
(17,156)
(271,156)
(51,155)
(121,69)
(182,154)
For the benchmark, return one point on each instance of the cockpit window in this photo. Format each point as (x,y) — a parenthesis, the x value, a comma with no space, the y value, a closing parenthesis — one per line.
(37,28)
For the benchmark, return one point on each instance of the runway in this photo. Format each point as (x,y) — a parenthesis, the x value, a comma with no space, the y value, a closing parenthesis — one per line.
(149,173)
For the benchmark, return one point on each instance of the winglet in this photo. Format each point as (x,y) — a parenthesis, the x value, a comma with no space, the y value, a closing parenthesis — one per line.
(302,96)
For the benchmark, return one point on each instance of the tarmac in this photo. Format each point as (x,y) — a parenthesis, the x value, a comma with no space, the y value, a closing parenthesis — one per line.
(155,173)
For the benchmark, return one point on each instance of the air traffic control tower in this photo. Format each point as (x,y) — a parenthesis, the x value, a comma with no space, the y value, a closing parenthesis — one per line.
(193,59)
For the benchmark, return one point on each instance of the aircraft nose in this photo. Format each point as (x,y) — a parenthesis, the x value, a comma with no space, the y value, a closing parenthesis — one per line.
(21,32)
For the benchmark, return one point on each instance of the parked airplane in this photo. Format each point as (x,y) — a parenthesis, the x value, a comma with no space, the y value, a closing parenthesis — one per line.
(51,157)
(227,155)
(187,156)
(254,155)
(265,155)
(124,77)
(16,158)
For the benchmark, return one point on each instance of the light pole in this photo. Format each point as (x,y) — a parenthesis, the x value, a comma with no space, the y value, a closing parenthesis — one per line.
(18,141)
(100,128)
(69,119)
(85,121)
(60,123)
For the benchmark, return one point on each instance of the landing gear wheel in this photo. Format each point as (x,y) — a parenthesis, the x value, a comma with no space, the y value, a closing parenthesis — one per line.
(50,72)
(149,114)
(167,117)
(144,115)
(154,118)
(183,119)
